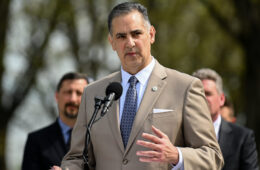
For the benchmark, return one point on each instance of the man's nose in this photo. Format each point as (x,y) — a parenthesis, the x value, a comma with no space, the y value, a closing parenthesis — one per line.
(130,42)
(73,96)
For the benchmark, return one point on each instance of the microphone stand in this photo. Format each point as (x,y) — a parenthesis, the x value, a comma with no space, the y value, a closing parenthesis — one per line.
(98,103)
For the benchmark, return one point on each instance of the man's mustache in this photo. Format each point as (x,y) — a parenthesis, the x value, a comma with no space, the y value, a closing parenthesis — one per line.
(132,50)
(71,104)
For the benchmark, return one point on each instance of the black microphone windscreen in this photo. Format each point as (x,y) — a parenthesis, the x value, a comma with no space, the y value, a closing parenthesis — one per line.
(114,87)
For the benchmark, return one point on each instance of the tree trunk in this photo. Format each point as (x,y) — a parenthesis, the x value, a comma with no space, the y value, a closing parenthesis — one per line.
(2,148)
(252,87)
(4,18)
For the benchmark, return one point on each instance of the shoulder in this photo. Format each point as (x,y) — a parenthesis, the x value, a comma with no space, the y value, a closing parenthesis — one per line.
(239,130)
(181,83)
(183,80)
(240,127)
(98,87)
(105,80)
(170,74)
(45,131)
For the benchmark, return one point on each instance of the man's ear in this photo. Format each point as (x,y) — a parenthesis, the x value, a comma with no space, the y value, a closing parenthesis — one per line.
(222,99)
(152,34)
(110,39)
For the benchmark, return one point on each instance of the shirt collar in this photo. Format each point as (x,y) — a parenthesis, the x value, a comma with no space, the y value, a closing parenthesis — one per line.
(64,128)
(142,75)
(216,124)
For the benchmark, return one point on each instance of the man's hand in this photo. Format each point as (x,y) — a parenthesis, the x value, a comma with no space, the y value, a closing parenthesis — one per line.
(161,148)
(55,168)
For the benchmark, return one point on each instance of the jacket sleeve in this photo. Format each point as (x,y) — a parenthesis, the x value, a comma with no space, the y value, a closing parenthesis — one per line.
(201,149)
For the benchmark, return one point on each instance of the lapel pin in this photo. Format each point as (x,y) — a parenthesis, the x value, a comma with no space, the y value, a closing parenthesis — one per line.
(154,88)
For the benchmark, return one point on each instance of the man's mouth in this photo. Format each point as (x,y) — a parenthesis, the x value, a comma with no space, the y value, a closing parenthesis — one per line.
(131,53)
(71,107)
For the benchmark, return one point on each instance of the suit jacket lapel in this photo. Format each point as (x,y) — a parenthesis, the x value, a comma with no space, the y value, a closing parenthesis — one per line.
(148,101)
(224,133)
(57,141)
(113,117)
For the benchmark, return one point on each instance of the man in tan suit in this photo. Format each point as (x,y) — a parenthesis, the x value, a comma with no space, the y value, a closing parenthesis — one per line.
(172,128)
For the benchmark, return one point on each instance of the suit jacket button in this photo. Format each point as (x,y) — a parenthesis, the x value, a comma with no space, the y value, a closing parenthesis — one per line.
(125,161)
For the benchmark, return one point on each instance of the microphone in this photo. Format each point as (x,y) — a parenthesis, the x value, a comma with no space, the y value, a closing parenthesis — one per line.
(113,92)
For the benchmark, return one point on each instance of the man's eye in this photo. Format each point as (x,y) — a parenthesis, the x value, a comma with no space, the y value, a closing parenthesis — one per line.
(79,93)
(135,34)
(120,36)
(68,92)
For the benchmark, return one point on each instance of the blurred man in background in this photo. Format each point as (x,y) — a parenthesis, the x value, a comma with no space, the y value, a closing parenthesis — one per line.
(47,146)
(236,142)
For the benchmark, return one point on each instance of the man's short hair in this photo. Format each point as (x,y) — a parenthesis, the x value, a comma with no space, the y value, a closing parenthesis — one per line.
(209,74)
(72,76)
(125,8)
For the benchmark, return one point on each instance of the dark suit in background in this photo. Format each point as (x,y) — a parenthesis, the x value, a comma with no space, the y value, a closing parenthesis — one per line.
(238,147)
(44,148)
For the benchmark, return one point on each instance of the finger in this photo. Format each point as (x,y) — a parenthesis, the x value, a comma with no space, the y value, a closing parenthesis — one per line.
(55,168)
(151,137)
(158,133)
(149,145)
(145,159)
(149,154)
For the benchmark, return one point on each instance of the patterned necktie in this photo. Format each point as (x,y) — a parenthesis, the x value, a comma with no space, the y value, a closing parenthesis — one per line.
(129,110)
(69,139)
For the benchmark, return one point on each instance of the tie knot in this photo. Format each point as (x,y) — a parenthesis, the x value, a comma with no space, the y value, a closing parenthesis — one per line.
(133,80)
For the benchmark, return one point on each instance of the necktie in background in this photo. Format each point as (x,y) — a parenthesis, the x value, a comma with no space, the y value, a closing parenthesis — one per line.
(69,139)
(129,110)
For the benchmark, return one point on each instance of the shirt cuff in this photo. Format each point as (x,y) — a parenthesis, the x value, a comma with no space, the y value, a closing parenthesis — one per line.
(179,165)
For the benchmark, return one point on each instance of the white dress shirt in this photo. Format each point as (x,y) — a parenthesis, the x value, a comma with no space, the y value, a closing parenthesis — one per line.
(217,125)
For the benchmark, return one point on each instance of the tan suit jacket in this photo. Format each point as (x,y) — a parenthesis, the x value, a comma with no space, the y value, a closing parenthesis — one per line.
(187,124)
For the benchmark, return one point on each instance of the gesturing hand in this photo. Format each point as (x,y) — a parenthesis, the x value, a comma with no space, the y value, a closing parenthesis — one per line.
(161,148)
(55,168)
